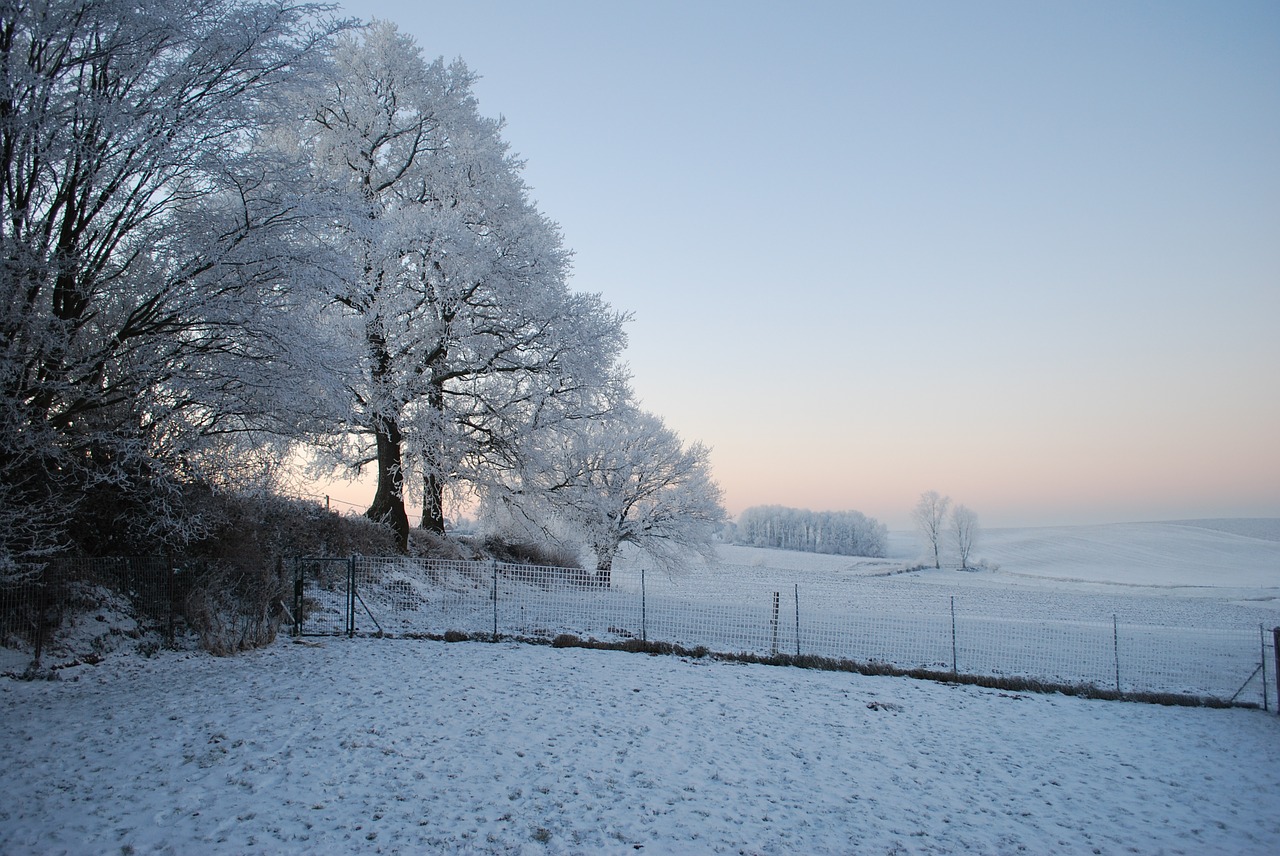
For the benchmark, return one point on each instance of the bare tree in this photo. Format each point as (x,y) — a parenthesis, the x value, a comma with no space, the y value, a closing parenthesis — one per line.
(930,515)
(964,528)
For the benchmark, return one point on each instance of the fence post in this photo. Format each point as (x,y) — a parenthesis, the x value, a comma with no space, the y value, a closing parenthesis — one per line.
(774,622)
(494,564)
(644,610)
(1115,644)
(297,595)
(42,608)
(797,619)
(954,660)
(351,597)
(1275,631)
(173,596)
(1262,643)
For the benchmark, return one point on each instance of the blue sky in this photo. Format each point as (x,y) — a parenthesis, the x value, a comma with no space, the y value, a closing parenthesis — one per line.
(1024,254)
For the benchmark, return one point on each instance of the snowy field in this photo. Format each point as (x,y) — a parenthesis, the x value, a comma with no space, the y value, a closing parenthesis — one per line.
(405,746)
(400,746)
(1138,634)
(1213,558)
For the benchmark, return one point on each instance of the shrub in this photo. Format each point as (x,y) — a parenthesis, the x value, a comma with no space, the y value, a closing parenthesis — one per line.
(235,607)
(529,553)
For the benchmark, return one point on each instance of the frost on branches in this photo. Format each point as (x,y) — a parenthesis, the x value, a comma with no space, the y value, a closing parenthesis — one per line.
(232,227)
(470,340)
(147,264)
(624,478)
(841,533)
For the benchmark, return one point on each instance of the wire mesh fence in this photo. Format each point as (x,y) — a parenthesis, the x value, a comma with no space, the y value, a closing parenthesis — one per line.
(422,597)
(34,606)
(877,622)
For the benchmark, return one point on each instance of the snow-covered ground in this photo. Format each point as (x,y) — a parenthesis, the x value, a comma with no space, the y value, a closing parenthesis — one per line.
(400,746)
(1208,574)
(1192,556)
(404,746)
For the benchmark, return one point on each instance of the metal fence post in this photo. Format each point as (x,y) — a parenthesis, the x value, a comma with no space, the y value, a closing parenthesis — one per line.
(774,622)
(955,663)
(351,597)
(42,608)
(797,619)
(644,608)
(1262,644)
(297,596)
(173,595)
(494,563)
(1275,632)
(1115,643)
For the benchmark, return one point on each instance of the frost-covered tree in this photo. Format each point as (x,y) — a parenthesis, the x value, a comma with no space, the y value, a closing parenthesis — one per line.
(964,529)
(930,515)
(147,257)
(625,478)
(470,337)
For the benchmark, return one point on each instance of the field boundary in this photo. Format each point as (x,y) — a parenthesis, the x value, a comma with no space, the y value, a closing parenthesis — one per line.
(777,625)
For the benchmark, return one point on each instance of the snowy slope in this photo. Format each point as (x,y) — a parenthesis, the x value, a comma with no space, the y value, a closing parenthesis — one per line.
(380,746)
(1224,554)
(1187,574)
(1216,554)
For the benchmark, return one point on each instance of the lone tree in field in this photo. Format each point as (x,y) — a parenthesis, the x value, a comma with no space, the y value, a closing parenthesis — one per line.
(930,515)
(625,478)
(964,528)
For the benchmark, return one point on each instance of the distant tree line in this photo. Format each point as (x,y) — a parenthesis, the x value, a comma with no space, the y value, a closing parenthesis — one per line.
(841,533)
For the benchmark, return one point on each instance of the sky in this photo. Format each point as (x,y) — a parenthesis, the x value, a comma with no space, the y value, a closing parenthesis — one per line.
(1023,254)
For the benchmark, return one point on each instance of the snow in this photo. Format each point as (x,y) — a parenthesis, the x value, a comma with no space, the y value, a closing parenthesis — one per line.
(400,746)
(1185,554)
(412,746)
(1212,573)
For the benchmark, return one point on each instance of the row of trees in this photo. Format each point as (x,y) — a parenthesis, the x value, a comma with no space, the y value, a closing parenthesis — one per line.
(844,533)
(231,229)
(937,528)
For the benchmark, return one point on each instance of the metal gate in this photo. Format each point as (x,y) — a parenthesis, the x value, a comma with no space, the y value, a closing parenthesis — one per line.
(323,589)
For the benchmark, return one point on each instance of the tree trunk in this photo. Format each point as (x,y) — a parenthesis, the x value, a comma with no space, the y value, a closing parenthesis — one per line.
(433,504)
(433,482)
(604,564)
(388,500)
